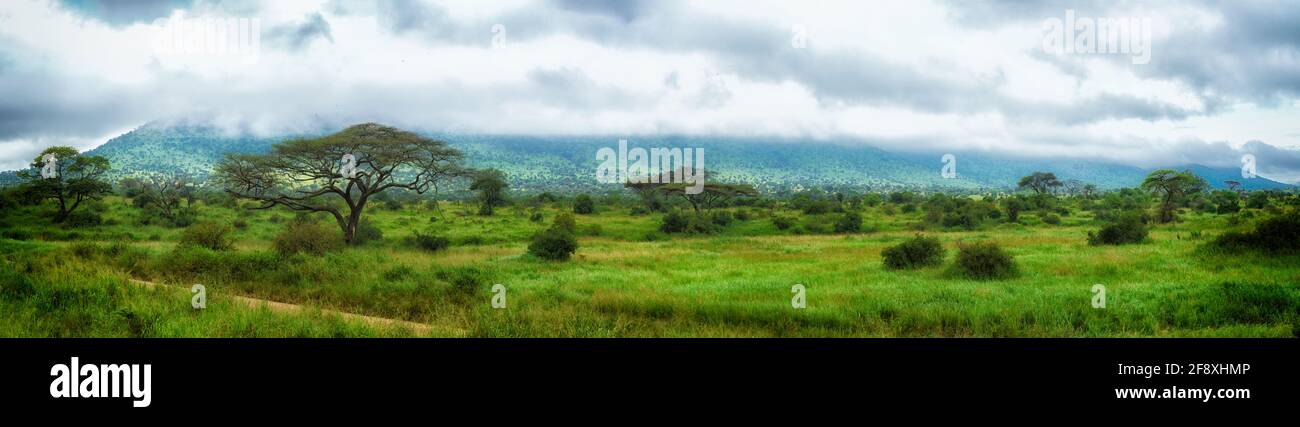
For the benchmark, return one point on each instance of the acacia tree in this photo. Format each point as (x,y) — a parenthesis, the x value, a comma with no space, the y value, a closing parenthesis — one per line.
(1040,182)
(75,178)
(163,192)
(491,187)
(712,195)
(313,175)
(1173,187)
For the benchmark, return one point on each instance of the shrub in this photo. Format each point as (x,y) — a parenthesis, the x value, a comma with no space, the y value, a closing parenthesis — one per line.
(722,218)
(1259,303)
(818,207)
(1279,234)
(1257,200)
(1013,207)
(536,217)
(398,273)
(185,217)
(83,218)
(700,224)
(849,223)
(208,235)
(1126,229)
(984,261)
(917,252)
(553,244)
(674,222)
(240,224)
(306,237)
(1051,218)
(782,222)
(429,242)
(638,211)
(463,280)
(367,232)
(583,204)
(565,222)
(743,215)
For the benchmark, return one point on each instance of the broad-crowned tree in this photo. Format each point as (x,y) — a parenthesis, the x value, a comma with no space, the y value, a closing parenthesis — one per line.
(1172,187)
(64,175)
(339,173)
(1040,182)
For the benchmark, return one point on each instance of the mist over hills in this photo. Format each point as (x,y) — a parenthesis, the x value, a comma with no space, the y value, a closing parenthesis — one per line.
(567,164)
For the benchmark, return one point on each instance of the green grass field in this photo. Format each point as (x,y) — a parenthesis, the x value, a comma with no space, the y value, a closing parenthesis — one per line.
(628,280)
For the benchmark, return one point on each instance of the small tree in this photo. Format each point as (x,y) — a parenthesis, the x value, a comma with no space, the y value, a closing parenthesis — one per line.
(1172,187)
(1013,206)
(75,178)
(1040,182)
(339,173)
(161,192)
(491,187)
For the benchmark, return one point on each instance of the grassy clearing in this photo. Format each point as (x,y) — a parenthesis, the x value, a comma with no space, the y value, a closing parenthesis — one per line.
(623,283)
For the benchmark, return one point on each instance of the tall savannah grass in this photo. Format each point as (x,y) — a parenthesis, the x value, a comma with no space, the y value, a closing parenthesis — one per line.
(733,282)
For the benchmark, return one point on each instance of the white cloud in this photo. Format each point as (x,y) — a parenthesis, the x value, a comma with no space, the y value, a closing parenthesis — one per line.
(927,73)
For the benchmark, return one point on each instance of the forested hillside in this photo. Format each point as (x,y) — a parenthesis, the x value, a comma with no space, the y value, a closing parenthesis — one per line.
(566,164)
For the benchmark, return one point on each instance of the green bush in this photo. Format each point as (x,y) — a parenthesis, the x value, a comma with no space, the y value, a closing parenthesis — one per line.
(916,252)
(306,237)
(722,218)
(1278,235)
(1126,229)
(743,215)
(849,223)
(584,205)
(463,280)
(674,222)
(208,235)
(429,242)
(553,244)
(565,222)
(984,261)
(536,217)
(556,243)
(1051,218)
(83,218)
(398,273)
(782,222)
(1260,303)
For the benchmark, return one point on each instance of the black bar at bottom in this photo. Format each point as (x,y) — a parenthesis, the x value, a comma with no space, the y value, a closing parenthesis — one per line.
(360,374)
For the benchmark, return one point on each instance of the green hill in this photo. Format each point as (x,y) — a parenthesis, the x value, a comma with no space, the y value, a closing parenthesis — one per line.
(568,164)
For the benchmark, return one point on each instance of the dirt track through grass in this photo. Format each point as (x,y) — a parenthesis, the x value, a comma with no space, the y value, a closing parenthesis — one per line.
(420,329)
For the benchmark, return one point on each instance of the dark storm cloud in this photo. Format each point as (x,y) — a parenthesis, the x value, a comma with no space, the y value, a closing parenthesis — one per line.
(1253,55)
(296,36)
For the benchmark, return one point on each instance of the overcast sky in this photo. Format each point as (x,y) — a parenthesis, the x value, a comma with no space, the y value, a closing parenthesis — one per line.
(1222,78)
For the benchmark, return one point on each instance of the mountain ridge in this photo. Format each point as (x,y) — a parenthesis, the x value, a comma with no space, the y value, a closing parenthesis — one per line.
(568,163)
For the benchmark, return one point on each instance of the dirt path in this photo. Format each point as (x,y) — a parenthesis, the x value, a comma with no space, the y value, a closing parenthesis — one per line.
(420,329)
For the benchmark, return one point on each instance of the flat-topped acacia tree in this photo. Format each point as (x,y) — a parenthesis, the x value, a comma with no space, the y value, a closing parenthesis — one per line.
(310,174)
